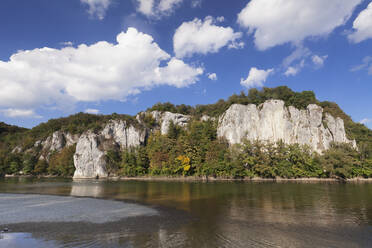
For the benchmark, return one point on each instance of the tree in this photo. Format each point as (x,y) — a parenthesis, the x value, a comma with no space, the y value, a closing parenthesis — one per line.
(62,163)
(41,167)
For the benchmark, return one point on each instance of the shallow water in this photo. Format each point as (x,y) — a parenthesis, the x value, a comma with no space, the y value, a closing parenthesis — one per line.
(188,214)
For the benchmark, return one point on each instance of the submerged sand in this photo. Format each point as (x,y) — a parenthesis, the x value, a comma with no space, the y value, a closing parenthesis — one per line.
(21,208)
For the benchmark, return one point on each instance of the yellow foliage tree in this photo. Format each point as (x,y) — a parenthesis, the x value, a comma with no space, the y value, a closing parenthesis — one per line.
(184,162)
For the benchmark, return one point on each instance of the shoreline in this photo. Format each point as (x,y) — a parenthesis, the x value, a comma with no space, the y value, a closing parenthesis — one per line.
(207,179)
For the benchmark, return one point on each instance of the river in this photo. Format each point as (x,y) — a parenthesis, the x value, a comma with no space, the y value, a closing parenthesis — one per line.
(96,213)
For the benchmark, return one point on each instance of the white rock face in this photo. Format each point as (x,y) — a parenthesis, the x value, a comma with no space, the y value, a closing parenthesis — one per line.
(124,135)
(272,121)
(56,142)
(89,160)
(165,118)
(207,118)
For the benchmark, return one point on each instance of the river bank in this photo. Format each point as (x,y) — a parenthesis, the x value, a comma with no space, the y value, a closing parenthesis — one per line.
(209,179)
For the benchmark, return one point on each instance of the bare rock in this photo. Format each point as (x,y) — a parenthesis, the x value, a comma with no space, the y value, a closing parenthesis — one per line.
(124,135)
(89,160)
(165,118)
(272,122)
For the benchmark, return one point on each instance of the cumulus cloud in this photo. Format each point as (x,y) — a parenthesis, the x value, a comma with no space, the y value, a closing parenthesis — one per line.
(256,77)
(276,22)
(92,111)
(20,113)
(97,8)
(198,36)
(362,26)
(157,8)
(98,72)
(366,65)
(212,76)
(318,61)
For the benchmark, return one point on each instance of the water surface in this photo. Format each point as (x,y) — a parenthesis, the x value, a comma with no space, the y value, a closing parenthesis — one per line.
(197,214)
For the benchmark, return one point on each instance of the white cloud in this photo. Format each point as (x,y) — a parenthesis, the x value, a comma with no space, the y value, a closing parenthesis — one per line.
(101,71)
(92,111)
(212,76)
(362,26)
(256,77)
(319,60)
(300,57)
(67,43)
(196,3)
(220,19)
(202,37)
(145,7)
(366,65)
(295,62)
(365,121)
(97,7)
(292,71)
(167,5)
(300,53)
(276,22)
(20,113)
(157,8)
(236,45)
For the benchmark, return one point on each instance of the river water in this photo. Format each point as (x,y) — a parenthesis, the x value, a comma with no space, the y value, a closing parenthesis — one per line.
(67,213)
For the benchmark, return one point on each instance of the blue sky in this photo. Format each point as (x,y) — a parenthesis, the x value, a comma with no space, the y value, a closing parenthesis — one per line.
(103,56)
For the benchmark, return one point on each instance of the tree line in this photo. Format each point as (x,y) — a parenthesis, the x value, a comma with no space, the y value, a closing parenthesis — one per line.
(195,150)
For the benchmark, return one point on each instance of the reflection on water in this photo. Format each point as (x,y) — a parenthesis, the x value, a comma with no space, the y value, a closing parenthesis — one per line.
(86,188)
(219,214)
(23,240)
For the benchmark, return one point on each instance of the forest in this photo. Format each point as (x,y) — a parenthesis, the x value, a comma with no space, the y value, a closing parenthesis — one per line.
(195,150)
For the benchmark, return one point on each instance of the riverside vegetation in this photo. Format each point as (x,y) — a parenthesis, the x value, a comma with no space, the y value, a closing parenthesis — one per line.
(195,150)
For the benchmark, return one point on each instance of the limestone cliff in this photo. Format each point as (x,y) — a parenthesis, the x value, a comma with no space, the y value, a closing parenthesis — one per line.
(123,134)
(272,121)
(269,122)
(55,143)
(90,159)
(165,118)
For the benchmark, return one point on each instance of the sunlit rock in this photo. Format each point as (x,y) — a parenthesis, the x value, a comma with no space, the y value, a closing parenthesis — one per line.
(272,121)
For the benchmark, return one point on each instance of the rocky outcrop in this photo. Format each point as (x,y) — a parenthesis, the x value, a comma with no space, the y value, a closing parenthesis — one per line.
(90,159)
(207,118)
(162,120)
(55,143)
(165,118)
(272,121)
(123,134)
